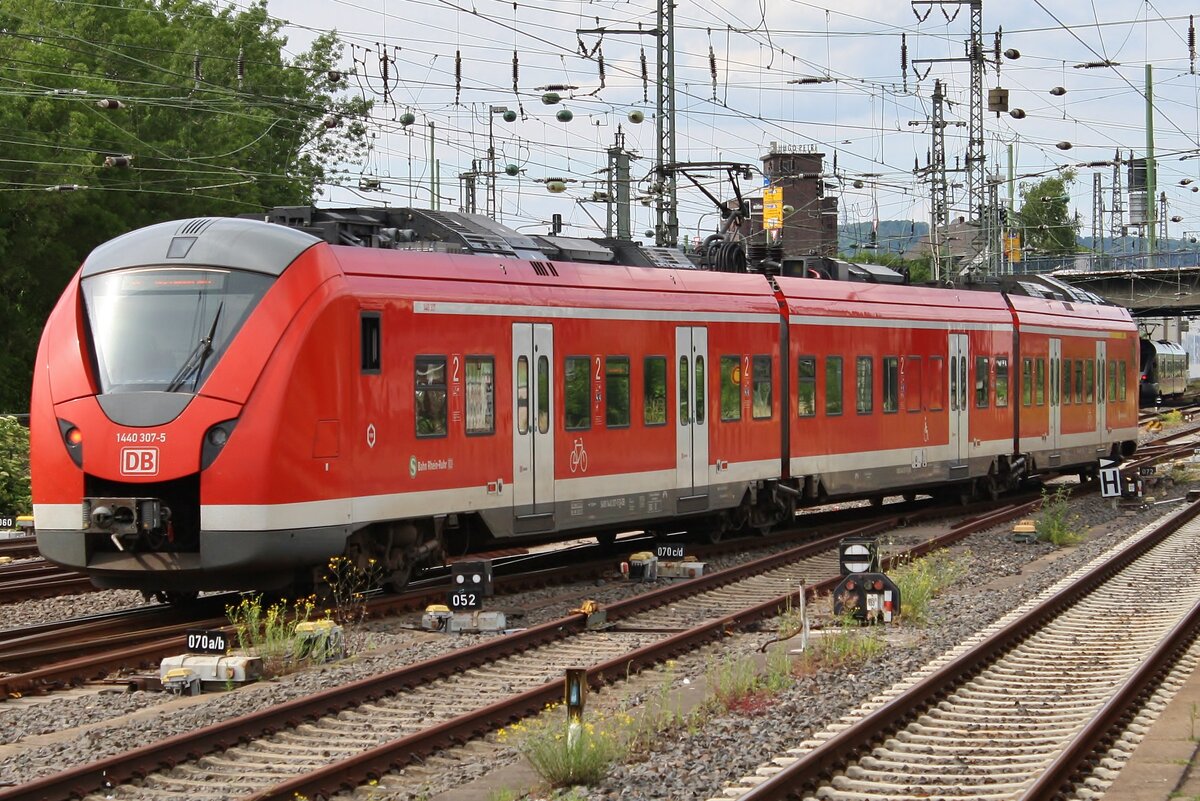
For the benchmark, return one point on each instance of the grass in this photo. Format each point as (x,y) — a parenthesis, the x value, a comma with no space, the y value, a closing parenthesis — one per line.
(270,633)
(1055,523)
(1171,418)
(566,754)
(842,644)
(920,580)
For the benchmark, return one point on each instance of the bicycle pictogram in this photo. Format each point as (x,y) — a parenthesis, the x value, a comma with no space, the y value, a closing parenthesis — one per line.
(579,457)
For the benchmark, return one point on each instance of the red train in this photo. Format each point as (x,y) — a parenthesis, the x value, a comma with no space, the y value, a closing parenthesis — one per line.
(227,403)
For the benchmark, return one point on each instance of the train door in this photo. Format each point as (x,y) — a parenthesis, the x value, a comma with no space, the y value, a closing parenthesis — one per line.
(533,430)
(691,467)
(959,397)
(1101,389)
(1056,368)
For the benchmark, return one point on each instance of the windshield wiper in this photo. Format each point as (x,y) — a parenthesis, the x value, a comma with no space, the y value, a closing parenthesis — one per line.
(194,364)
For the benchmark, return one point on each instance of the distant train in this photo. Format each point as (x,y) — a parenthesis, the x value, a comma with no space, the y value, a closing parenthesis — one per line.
(1164,372)
(228,403)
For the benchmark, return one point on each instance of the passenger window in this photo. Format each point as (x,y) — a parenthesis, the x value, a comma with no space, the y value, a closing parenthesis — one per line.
(912,383)
(731,389)
(1066,382)
(577,407)
(522,394)
(481,395)
(369,323)
(833,386)
(806,386)
(1039,386)
(982,374)
(430,400)
(1089,380)
(864,391)
(1079,381)
(654,391)
(762,387)
(1027,382)
(1001,381)
(685,416)
(1099,380)
(700,390)
(543,396)
(937,383)
(891,384)
(1121,378)
(616,391)
(1112,380)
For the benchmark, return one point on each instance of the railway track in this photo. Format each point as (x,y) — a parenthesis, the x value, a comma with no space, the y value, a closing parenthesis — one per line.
(1028,708)
(339,738)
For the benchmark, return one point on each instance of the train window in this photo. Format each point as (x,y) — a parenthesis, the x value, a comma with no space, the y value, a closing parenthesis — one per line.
(1088,380)
(430,401)
(1001,381)
(953,386)
(1039,383)
(1099,380)
(1079,381)
(543,394)
(1027,382)
(616,391)
(1112,380)
(762,387)
(1121,378)
(577,386)
(912,383)
(1055,384)
(936,383)
(833,385)
(982,374)
(370,341)
(699,379)
(806,386)
(891,384)
(731,388)
(481,396)
(1066,382)
(685,416)
(654,391)
(864,399)
(522,394)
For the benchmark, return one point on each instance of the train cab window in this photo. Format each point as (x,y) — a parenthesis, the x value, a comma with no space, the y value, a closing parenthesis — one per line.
(481,395)
(731,389)
(806,386)
(864,395)
(936,383)
(1039,383)
(1089,380)
(616,391)
(369,323)
(912,383)
(833,386)
(543,394)
(654,391)
(1001,381)
(891,384)
(430,400)
(1027,382)
(762,405)
(983,373)
(577,393)
(1079,381)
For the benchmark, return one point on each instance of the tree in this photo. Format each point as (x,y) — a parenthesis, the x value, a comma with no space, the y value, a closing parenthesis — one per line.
(1045,216)
(216,118)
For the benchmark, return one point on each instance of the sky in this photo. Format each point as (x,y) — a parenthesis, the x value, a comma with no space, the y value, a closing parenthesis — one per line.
(448,62)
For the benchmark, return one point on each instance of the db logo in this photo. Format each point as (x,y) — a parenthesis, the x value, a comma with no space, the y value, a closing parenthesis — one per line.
(139,461)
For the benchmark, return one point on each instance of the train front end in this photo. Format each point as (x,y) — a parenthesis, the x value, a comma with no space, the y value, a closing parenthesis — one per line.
(142,376)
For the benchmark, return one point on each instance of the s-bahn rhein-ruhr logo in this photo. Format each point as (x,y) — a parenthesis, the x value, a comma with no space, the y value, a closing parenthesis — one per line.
(139,461)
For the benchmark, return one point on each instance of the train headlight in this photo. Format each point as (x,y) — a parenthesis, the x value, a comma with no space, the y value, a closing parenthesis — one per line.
(72,439)
(214,441)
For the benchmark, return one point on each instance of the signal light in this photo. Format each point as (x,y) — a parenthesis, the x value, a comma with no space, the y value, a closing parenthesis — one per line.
(74,436)
(218,436)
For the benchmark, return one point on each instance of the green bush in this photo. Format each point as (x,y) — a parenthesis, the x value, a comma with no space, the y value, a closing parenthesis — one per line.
(14,468)
(1056,524)
(920,580)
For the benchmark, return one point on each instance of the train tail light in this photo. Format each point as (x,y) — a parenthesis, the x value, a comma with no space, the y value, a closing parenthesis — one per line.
(73,440)
(214,442)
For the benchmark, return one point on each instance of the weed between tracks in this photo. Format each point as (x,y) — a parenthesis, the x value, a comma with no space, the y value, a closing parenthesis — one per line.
(1056,523)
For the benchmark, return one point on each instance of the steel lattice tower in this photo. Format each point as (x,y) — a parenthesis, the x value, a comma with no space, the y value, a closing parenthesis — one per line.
(666,224)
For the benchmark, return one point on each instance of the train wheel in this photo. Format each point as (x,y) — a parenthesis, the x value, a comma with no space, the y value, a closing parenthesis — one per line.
(176,597)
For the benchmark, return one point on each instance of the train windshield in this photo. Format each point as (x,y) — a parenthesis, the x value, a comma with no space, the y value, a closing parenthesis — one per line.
(165,328)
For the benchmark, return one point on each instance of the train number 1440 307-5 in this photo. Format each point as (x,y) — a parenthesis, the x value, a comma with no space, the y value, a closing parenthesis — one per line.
(141,436)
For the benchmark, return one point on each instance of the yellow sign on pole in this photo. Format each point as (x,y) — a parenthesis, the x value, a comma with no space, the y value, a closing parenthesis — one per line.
(1014,247)
(773,208)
